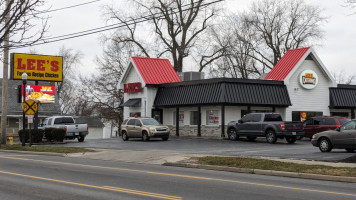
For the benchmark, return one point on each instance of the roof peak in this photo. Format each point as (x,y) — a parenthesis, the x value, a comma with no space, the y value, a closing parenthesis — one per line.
(287,63)
(155,70)
(139,57)
(299,48)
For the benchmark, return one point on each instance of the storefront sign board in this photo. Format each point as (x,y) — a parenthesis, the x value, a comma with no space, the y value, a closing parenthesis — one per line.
(37,67)
(132,87)
(308,79)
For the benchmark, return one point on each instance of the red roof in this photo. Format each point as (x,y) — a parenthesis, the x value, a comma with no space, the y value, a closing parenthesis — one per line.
(286,64)
(156,70)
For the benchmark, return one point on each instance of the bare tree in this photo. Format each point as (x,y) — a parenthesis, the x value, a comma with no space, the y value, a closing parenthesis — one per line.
(350,4)
(177,26)
(282,25)
(259,37)
(342,77)
(23,15)
(237,39)
(66,90)
(102,90)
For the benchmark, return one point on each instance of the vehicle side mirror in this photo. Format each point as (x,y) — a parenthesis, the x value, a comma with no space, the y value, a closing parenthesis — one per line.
(338,129)
(240,121)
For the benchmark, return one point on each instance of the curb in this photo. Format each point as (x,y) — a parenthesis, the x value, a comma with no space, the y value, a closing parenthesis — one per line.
(265,172)
(35,152)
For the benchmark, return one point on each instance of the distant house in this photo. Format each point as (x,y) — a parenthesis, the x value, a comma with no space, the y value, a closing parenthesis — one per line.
(14,109)
(95,127)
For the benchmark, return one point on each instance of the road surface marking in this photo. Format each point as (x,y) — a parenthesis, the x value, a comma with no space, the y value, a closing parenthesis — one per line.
(182,176)
(123,190)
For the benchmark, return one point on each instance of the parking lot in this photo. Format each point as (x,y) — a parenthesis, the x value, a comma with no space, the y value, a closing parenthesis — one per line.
(301,150)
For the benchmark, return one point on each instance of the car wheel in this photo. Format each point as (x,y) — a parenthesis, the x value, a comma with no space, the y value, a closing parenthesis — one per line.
(232,134)
(145,136)
(251,138)
(165,138)
(350,150)
(325,145)
(291,139)
(81,138)
(271,136)
(124,136)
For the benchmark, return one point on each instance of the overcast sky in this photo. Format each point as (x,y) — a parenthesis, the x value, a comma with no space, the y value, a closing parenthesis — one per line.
(337,53)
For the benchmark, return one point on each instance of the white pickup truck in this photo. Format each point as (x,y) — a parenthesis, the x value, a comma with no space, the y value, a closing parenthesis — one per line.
(67,123)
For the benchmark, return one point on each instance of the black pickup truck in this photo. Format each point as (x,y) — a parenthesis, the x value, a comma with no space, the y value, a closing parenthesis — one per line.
(269,125)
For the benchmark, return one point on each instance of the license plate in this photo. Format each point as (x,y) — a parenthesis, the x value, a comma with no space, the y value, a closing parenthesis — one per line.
(76,133)
(294,133)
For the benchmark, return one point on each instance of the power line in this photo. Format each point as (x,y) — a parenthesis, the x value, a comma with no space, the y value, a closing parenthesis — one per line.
(106,28)
(73,6)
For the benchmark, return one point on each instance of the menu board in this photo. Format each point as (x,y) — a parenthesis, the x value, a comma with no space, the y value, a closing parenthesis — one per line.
(40,93)
(212,117)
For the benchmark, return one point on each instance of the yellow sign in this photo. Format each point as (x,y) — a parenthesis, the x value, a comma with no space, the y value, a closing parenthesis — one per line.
(37,67)
(30,107)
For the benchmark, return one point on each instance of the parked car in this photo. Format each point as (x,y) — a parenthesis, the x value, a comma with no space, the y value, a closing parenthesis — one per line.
(319,124)
(144,128)
(73,130)
(343,137)
(269,125)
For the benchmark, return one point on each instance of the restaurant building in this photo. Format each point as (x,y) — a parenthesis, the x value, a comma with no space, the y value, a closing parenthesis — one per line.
(298,87)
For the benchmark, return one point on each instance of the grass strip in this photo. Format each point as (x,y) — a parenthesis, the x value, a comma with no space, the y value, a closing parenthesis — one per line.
(265,164)
(40,148)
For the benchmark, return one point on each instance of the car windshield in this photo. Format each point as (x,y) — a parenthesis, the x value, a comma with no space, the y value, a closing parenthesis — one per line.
(150,122)
(348,126)
(342,121)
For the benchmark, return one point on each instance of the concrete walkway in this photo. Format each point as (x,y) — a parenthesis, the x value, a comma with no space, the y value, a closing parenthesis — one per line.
(155,157)
(148,157)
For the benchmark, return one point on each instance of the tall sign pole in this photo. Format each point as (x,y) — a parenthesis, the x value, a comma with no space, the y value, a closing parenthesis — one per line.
(5,76)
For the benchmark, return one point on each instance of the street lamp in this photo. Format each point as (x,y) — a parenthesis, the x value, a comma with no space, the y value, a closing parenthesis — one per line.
(24,79)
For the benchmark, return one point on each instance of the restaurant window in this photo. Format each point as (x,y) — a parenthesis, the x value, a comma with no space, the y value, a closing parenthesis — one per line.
(181,118)
(194,117)
(245,112)
(135,114)
(298,115)
(339,114)
(212,117)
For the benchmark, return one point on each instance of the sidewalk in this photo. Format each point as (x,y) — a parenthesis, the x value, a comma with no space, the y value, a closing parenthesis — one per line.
(151,157)
(147,157)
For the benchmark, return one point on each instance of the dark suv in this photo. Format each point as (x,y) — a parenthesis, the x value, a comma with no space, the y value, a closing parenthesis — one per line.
(319,124)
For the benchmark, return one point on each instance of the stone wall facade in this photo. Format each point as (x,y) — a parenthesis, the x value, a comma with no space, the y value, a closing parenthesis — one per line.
(206,131)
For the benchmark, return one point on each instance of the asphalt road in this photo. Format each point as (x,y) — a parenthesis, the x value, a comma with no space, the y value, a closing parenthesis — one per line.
(302,150)
(36,177)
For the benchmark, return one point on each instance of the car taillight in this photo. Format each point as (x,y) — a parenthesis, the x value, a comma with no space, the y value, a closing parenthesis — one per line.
(65,128)
(338,126)
(282,126)
(87,128)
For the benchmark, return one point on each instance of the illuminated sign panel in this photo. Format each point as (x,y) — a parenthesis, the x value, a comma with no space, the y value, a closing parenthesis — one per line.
(37,67)
(40,93)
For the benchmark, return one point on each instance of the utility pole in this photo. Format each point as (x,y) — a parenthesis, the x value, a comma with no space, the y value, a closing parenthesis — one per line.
(5,75)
